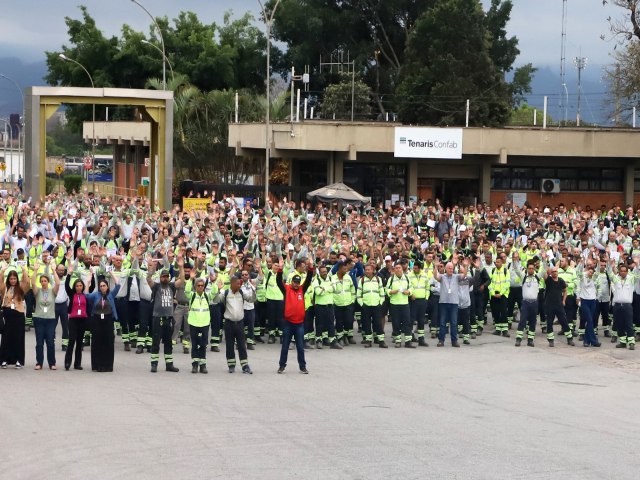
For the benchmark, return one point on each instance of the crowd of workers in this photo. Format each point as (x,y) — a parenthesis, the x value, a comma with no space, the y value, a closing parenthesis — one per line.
(109,270)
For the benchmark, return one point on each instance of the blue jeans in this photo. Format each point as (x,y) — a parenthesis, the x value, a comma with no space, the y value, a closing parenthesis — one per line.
(45,332)
(588,312)
(448,313)
(295,330)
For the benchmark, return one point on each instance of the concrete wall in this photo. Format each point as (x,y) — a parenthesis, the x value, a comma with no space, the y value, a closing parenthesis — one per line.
(536,199)
(379,137)
(118,132)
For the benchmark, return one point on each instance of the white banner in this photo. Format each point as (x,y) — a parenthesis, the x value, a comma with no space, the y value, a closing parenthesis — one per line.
(417,142)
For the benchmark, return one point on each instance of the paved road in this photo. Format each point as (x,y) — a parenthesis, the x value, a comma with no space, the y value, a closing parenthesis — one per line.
(488,411)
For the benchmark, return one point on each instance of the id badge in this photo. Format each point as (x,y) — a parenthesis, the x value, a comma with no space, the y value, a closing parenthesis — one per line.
(13,306)
(79,312)
(449,291)
(44,309)
(102,316)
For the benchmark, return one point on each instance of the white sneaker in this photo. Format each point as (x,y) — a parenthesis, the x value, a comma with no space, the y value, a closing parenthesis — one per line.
(18,365)
(4,365)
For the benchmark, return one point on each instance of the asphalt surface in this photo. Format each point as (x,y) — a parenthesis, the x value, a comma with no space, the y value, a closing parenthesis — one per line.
(485,411)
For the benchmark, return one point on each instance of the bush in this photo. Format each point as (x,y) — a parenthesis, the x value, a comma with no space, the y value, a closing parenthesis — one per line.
(73,183)
(49,186)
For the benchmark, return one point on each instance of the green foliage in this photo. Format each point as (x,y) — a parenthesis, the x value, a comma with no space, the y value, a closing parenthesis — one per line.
(445,68)
(212,56)
(73,183)
(392,45)
(338,96)
(49,186)
(63,141)
(521,83)
(523,116)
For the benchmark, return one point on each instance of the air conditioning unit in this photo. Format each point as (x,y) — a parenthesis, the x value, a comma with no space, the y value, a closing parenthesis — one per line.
(550,185)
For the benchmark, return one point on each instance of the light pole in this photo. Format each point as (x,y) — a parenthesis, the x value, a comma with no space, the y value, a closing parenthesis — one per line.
(147,42)
(164,56)
(268,21)
(93,143)
(6,124)
(20,126)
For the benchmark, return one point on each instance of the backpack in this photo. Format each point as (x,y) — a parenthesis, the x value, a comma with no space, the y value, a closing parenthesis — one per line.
(193,299)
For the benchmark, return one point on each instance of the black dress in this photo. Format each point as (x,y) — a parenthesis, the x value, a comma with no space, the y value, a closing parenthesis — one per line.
(102,339)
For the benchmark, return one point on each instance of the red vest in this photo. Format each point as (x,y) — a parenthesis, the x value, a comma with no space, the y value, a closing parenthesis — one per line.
(294,305)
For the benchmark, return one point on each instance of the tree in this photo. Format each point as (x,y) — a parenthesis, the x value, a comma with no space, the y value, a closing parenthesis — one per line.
(377,34)
(523,116)
(445,68)
(210,62)
(371,33)
(623,76)
(624,30)
(338,99)
(623,81)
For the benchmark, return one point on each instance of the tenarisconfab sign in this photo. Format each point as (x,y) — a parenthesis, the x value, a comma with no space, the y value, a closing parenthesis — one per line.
(416,142)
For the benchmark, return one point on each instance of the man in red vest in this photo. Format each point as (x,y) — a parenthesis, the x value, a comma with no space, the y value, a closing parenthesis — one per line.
(293,317)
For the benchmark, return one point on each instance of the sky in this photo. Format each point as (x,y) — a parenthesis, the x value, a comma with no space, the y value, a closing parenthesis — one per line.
(537,24)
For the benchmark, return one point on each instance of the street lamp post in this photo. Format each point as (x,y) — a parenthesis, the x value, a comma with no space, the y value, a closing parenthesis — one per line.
(93,143)
(147,42)
(164,56)
(20,126)
(268,21)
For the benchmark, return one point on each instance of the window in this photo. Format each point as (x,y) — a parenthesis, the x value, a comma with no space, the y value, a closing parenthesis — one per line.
(571,179)
(376,180)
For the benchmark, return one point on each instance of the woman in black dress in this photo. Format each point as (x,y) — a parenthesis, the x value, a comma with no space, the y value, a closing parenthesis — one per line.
(101,323)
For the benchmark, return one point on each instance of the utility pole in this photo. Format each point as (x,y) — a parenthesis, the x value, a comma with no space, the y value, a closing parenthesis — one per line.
(268,22)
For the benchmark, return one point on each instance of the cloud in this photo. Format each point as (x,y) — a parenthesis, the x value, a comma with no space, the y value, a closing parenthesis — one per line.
(537,23)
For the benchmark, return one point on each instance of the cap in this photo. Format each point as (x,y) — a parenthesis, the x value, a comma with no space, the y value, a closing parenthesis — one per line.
(164,272)
(290,247)
(388,258)
(462,228)
(546,210)
(296,279)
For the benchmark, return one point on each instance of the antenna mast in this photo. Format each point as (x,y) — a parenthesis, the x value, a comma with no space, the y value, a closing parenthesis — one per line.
(564,95)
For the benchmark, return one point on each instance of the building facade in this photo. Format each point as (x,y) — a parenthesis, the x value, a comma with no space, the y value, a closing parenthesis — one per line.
(391,162)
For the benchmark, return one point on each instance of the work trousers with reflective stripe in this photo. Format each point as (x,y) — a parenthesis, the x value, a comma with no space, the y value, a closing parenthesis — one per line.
(62,314)
(309,316)
(162,328)
(325,322)
(180,315)
(371,316)
(602,311)
(433,304)
(418,311)
(623,323)
(515,298)
(215,312)
(249,322)
(557,311)
(528,317)
(499,313)
(344,320)
(234,335)
(275,317)
(401,322)
(199,341)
